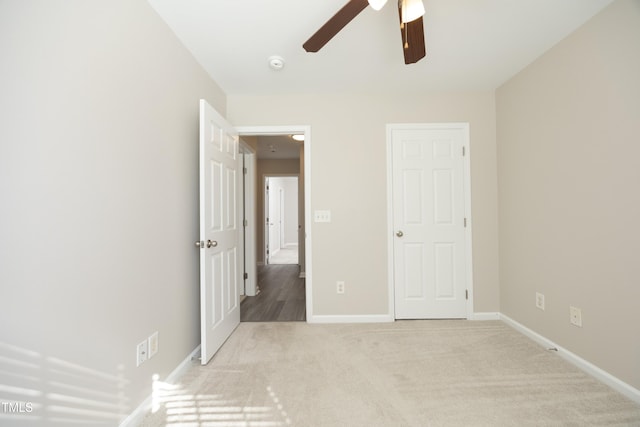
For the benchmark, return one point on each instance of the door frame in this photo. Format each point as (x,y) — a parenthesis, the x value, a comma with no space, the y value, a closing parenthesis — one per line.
(288,130)
(467,206)
(249,215)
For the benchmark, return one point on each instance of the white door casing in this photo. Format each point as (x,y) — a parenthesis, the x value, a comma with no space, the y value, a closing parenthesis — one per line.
(429,220)
(273,198)
(249,237)
(306,235)
(220,210)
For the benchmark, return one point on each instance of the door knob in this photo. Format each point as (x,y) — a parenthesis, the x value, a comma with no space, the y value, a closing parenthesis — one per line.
(199,244)
(399,233)
(212,243)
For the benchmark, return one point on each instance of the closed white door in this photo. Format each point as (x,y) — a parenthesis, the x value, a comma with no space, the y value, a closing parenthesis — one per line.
(428,196)
(220,254)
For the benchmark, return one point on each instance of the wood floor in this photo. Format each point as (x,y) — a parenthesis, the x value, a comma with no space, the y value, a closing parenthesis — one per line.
(281,297)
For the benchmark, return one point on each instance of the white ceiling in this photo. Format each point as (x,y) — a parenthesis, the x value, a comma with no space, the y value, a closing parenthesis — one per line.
(278,147)
(471,44)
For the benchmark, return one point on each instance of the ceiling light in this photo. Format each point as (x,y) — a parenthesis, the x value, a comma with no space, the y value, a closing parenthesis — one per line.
(276,62)
(298,138)
(412,10)
(377,4)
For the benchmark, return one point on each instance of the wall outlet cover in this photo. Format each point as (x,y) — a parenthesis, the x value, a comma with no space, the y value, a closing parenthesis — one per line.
(153,344)
(575,316)
(540,301)
(141,353)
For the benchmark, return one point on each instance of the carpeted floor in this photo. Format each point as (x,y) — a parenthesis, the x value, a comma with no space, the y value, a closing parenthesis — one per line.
(407,373)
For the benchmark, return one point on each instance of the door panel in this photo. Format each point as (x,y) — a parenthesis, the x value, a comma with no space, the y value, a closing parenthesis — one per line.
(219,233)
(428,197)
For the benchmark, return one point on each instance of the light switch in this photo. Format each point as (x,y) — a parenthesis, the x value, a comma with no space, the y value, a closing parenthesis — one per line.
(322,216)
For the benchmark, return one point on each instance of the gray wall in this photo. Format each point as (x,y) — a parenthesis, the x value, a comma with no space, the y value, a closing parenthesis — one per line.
(348,175)
(569,169)
(98,193)
(98,199)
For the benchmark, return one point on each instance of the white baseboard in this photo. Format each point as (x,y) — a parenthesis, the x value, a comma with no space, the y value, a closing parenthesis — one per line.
(591,369)
(135,418)
(370,318)
(485,316)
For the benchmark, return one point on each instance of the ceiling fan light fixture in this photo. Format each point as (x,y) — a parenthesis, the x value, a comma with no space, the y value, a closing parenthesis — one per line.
(377,4)
(298,138)
(412,10)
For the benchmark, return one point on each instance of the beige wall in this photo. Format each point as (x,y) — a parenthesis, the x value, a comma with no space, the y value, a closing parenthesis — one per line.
(568,156)
(348,175)
(264,168)
(98,197)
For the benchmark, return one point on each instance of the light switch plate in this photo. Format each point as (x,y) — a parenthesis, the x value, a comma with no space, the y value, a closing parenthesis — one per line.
(322,216)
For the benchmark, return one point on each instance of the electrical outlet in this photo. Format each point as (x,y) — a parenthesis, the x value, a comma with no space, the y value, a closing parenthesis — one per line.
(141,353)
(540,301)
(340,287)
(153,344)
(575,316)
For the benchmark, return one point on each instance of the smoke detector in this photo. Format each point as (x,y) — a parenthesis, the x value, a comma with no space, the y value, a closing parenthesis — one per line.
(276,62)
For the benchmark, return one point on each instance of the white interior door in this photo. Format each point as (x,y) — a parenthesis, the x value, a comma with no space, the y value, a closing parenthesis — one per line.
(429,247)
(220,254)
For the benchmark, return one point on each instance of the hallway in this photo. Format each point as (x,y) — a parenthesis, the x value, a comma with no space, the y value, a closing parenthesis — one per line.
(286,255)
(281,297)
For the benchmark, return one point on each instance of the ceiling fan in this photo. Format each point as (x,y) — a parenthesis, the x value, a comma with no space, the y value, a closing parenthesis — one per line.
(411,26)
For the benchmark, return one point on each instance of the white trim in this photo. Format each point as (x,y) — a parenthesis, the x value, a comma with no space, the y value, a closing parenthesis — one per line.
(591,369)
(485,316)
(468,216)
(467,208)
(249,231)
(136,417)
(390,259)
(366,318)
(285,130)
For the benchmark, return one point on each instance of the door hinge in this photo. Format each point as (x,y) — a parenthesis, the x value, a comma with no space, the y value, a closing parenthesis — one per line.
(465,223)
(244,170)
(246,276)
(466,294)
(245,223)
(464,151)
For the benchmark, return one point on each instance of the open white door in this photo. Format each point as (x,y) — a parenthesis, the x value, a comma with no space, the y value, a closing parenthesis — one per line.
(220,254)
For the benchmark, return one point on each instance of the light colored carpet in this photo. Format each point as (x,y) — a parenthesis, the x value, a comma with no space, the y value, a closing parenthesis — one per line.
(407,373)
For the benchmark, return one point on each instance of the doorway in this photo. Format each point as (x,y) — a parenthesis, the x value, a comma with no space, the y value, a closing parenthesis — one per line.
(283,284)
(281,240)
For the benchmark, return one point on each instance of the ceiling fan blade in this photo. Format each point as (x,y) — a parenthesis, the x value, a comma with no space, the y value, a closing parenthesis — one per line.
(413,44)
(334,25)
